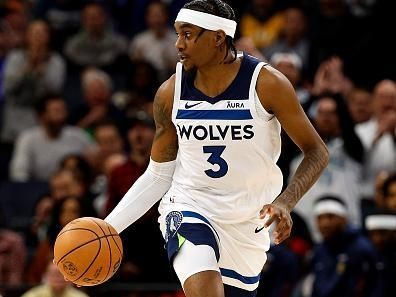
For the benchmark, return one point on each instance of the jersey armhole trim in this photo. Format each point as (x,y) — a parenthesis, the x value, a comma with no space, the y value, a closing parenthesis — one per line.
(257,108)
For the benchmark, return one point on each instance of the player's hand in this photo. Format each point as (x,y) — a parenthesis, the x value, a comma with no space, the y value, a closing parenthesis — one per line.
(278,213)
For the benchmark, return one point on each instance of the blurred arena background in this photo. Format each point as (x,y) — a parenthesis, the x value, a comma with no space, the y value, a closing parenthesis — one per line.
(77,82)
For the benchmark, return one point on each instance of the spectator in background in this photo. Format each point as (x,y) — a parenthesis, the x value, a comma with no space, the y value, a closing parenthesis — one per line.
(70,183)
(378,201)
(290,65)
(29,74)
(342,176)
(360,105)
(64,212)
(12,256)
(79,165)
(330,78)
(292,37)
(39,150)
(381,228)
(343,263)
(108,142)
(54,284)
(389,193)
(66,183)
(100,186)
(140,136)
(246,44)
(97,105)
(262,23)
(62,15)
(13,26)
(13,23)
(142,83)
(40,220)
(96,45)
(156,44)
(108,153)
(378,135)
(280,272)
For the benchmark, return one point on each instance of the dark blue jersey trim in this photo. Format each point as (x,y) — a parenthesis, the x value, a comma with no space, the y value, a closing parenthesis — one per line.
(242,114)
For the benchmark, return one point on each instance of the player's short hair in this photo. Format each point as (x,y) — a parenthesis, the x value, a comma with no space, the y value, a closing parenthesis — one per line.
(218,8)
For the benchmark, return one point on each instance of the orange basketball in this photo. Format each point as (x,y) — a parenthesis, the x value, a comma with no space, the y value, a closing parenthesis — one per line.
(88,251)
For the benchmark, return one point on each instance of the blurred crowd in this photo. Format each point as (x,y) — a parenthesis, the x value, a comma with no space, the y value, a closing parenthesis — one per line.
(77,82)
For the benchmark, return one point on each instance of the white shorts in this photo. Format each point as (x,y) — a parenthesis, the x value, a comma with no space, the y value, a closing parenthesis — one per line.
(240,249)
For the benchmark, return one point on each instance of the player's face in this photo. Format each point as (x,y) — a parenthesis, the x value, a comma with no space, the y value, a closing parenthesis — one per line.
(194,45)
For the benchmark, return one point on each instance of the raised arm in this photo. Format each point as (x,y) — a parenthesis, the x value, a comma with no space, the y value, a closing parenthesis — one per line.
(157,179)
(278,97)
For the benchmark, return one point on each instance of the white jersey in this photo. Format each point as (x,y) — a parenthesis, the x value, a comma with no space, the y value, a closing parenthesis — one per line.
(228,148)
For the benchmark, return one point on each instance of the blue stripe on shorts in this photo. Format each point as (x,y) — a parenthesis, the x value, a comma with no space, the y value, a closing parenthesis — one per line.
(249,280)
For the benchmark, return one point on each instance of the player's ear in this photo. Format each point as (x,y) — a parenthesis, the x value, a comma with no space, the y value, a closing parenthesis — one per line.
(220,37)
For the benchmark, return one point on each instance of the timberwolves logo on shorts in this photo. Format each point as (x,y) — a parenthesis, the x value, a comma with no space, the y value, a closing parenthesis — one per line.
(173,221)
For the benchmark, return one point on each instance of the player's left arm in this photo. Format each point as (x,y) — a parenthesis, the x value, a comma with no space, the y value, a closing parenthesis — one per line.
(278,97)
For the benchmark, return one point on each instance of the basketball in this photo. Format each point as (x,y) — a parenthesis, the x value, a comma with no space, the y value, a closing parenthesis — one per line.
(88,251)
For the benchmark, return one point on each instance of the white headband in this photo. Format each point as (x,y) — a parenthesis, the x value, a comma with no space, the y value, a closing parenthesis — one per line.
(381,222)
(207,21)
(330,207)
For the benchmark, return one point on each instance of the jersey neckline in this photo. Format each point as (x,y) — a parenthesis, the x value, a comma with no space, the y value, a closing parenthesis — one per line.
(229,90)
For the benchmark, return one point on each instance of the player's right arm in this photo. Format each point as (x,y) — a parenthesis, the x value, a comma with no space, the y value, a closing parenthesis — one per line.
(157,179)
(165,143)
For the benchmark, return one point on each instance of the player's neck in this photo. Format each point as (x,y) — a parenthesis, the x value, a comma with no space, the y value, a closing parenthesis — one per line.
(215,78)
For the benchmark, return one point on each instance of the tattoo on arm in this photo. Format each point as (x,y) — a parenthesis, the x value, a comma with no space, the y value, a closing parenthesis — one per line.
(306,175)
(161,118)
(165,139)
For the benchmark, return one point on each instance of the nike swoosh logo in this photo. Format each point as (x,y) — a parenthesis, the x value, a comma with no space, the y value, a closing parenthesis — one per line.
(257,230)
(191,105)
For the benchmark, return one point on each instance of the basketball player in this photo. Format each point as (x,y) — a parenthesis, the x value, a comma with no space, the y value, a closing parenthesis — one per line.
(213,159)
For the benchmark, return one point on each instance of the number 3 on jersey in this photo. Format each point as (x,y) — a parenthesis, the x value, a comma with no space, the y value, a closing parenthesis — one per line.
(216,159)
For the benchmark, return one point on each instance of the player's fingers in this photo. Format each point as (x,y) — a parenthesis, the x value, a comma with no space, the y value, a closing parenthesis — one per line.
(283,229)
(273,217)
(266,210)
(269,221)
